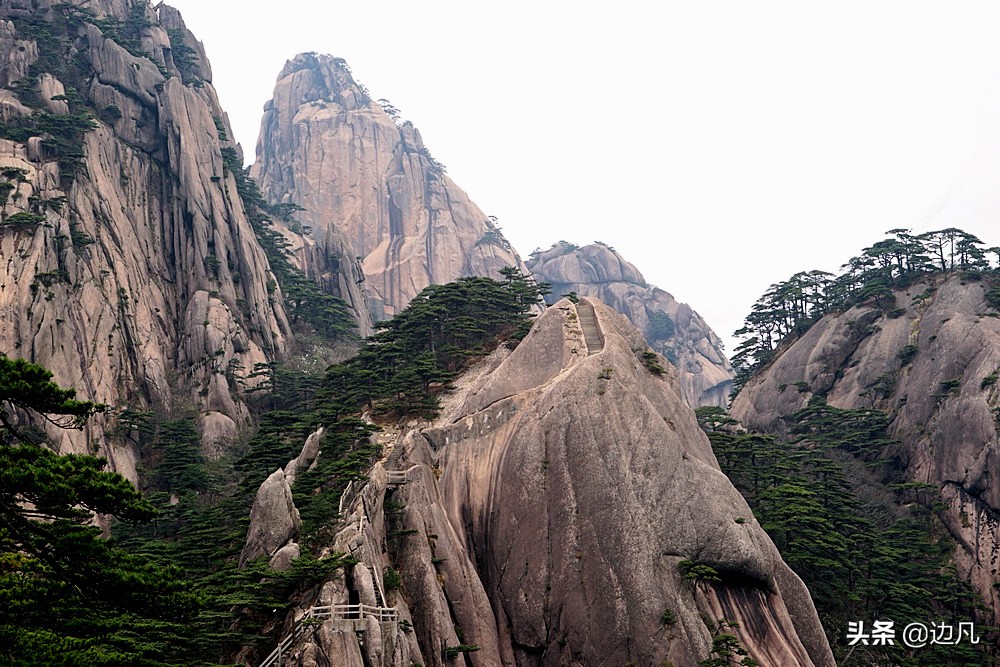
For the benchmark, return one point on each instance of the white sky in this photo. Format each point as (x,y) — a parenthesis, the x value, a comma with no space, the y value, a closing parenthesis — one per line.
(719,146)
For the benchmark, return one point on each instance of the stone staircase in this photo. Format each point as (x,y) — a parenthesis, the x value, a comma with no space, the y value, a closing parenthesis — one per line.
(591,329)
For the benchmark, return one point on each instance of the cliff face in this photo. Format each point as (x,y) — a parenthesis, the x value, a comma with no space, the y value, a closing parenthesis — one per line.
(543,517)
(933,368)
(129,267)
(369,189)
(673,329)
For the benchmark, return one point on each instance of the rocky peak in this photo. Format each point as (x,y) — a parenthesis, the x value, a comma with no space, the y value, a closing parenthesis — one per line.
(930,360)
(132,270)
(324,79)
(369,188)
(595,264)
(672,328)
(560,491)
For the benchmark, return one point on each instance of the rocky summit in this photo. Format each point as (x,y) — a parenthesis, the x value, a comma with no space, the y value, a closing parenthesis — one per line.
(930,360)
(369,188)
(672,328)
(131,269)
(483,479)
(547,517)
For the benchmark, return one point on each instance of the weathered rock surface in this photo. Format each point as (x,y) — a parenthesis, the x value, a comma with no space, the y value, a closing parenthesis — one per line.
(545,513)
(274,520)
(370,189)
(673,329)
(930,368)
(141,283)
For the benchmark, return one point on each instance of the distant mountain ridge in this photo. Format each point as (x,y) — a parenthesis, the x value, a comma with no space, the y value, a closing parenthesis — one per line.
(671,328)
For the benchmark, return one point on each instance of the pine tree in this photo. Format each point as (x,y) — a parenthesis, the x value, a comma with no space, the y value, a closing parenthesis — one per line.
(67,596)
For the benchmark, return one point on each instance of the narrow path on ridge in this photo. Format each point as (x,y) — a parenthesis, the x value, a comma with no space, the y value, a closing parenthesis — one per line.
(591,330)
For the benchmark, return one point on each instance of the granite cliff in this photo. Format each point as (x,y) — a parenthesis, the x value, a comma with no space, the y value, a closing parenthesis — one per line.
(543,518)
(130,267)
(931,362)
(673,329)
(369,189)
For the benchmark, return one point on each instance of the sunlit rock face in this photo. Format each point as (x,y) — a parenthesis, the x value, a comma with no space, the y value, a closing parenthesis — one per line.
(137,279)
(673,329)
(545,515)
(931,362)
(370,189)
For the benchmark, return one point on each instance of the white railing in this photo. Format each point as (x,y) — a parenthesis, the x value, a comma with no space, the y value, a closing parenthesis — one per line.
(356,611)
(345,498)
(344,612)
(395,477)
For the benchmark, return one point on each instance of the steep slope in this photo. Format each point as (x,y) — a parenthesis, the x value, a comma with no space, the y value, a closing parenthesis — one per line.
(673,329)
(368,186)
(543,519)
(129,266)
(931,362)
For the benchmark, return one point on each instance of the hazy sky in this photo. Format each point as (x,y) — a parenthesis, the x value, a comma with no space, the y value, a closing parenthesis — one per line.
(718,146)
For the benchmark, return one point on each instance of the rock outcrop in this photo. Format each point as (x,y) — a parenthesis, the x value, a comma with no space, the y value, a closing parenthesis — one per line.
(673,329)
(369,188)
(129,266)
(544,516)
(932,363)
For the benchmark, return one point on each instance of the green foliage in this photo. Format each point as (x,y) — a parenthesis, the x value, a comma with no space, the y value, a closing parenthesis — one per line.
(428,343)
(993,296)
(79,238)
(790,307)
(725,649)
(989,380)
(203,527)
(698,572)
(62,137)
(29,387)
(5,189)
(661,327)
(111,113)
(651,361)
(866,547)
(453,652)
(50,278)
(668,617)
(435,166)
(907,354)
(185,58)
(348,454)
(951,385)
(307,303)
(22,220)
(285,211)
(66,595)
(391,579)
(181,465)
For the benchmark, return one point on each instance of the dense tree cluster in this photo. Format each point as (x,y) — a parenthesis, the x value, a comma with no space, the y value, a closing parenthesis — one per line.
(789,308)
(429,342)
(866,545)
(203,506)
(67,596)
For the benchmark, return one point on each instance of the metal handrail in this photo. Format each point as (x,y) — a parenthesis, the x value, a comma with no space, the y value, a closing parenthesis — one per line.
(355,611)
(395,477)
(336,611)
